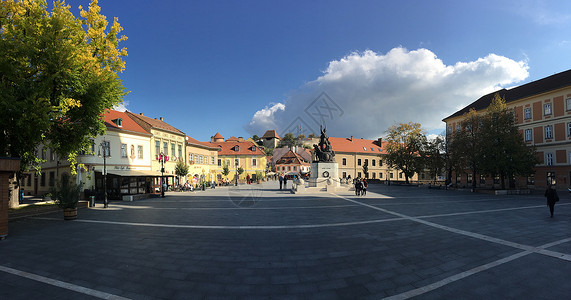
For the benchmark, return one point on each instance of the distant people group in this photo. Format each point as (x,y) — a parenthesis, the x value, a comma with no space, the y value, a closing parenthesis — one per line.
(283,181)
(361,186)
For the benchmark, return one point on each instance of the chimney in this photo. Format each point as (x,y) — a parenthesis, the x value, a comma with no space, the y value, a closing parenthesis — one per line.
(141,114)
(240,139)
(380,141)
(351,138)
(161,118)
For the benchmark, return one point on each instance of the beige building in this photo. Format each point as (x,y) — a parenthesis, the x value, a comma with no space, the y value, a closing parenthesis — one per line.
(352,154)
(127,162)
(543,115)
(202,161)
(167,142)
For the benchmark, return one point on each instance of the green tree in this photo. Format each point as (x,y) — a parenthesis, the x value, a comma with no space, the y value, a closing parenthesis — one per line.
(366,169)
(181,169)
(288,140)
(433,152)
(225,170)
(404,145)
(466,145)
(255,137)
(58,75)
(504,152)
(312,136)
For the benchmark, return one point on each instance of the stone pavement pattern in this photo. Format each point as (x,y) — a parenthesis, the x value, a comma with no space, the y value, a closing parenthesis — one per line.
(257,242)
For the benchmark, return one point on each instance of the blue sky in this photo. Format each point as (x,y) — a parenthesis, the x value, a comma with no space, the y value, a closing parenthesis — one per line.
(241,67)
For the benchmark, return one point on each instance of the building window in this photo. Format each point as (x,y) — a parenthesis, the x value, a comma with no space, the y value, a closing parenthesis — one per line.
(140,152)
(236,162)
(196,158)
(123,150)
(568,103)
(43,179)
(548,132)
(400,175)
(380,162)
(374,175)
(496,179)
(166,148)
(294,168)
(107,148)
(551,178)
(202,159)
(569,129)
(289,168)
(344,161)
(219,162)
(157,147)
(470,178)
(549,159)
(457,127)
(373,162)
(547,109)
(173,149)
(391,175)
(52,179)
(449,129)
(458,178)
(344,174)
(531,179)
(254,162)
(527,113)
(52,155)
(366,162)
(528,135)
(358,162)
(381,175)
(482,179)
(358,174)
(213,159)
(179,150)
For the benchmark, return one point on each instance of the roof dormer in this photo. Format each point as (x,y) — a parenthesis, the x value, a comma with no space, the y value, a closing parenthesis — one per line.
(118,122)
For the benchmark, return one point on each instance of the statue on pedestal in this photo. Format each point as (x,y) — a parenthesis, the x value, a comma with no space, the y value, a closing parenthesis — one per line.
(323,151)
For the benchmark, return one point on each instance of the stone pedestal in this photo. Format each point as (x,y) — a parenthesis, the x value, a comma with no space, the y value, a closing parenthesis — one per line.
(324,175)
(7,168)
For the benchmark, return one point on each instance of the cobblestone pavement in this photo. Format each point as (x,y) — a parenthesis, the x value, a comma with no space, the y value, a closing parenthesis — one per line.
(257,242)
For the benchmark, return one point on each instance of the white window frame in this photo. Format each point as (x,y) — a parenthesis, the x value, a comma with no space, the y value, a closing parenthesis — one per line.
(568,103)
(548,132)
(549,159)
(547,109)
(528,135)
(123,150)
(527,113)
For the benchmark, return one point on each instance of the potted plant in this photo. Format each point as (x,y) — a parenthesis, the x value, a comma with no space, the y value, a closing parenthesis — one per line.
(66,195)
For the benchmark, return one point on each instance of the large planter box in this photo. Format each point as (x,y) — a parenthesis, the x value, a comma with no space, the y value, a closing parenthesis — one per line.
(7,168)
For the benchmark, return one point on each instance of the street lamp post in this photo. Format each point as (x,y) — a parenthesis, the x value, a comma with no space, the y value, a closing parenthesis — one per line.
(162,160)
(237,172)
(104,147)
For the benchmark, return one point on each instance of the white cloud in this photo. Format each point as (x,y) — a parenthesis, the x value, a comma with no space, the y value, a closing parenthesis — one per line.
(373,91)
(265,117)
(121,106)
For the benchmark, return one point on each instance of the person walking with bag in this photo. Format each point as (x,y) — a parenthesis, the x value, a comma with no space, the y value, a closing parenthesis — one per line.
(552,197)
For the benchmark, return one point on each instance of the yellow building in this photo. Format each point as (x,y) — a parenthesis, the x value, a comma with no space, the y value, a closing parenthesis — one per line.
(167,141)
(237,153)
(202,161)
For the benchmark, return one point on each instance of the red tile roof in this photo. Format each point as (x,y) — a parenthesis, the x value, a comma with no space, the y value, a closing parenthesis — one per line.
(149,123)
(358,145)
(291,158)
(127,124)
(194,142)
(218,136)
(244,148)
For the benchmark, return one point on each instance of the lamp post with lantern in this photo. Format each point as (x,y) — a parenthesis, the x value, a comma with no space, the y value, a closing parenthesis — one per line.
(105,152)
(162,160)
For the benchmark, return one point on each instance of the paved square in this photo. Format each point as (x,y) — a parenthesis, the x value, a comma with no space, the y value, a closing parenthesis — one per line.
(257,242)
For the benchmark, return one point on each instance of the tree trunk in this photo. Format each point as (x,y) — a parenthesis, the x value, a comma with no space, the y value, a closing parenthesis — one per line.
(503,180)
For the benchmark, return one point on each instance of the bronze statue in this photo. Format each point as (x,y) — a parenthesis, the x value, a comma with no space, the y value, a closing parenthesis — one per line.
(323,151)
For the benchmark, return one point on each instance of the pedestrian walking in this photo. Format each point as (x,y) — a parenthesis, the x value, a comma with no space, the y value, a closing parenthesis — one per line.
(357,187)
(285,182)
(552,197)
(365,186)
(281,178)
(248,179)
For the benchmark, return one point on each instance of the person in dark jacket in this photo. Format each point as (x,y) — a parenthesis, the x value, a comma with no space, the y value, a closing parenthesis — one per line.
(365,186)
(552,197)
